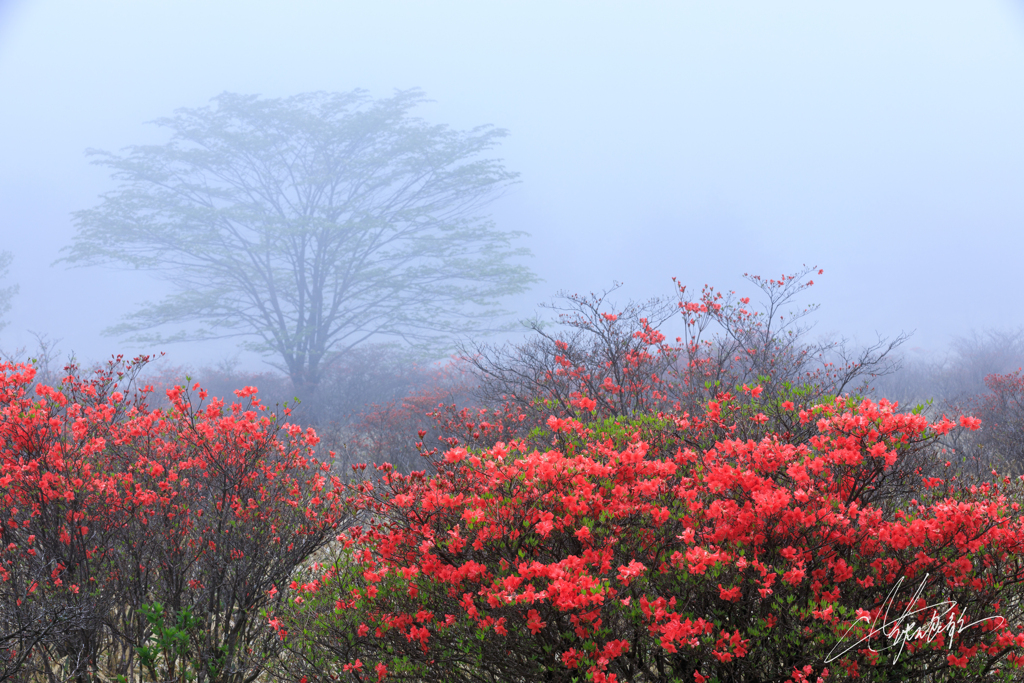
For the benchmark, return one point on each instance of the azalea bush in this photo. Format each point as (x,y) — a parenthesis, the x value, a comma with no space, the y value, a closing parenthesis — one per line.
(613,357)
(762,339)
(389,431)
(600,360)
(1002,408)
(122,525)
(660,548)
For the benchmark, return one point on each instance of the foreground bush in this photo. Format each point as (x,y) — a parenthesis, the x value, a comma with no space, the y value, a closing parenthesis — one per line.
(664,548)
(147,543)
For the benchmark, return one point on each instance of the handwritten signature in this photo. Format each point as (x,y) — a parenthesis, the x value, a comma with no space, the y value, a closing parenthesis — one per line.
(908,625)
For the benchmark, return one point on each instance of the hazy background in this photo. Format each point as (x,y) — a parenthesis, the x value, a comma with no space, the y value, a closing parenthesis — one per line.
(883,142)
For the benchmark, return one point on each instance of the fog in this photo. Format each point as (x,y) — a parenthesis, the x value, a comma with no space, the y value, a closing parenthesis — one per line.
(879,141)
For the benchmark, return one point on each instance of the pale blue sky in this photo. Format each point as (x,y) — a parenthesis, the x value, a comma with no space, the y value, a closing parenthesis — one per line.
(881,141)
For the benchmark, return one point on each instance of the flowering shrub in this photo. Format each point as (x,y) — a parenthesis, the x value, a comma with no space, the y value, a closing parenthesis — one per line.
(665,548)
(121,522)
(387,432)
(731,341)
(1002,409)
(604,361)
(609,361)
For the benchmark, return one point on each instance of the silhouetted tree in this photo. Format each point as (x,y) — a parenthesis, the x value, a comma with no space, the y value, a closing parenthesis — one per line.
(309,225)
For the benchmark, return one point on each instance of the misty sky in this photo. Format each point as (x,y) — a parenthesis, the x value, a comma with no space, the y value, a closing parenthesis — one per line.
(883,142)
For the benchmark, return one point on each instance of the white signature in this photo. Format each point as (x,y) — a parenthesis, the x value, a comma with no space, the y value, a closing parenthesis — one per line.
(906,626)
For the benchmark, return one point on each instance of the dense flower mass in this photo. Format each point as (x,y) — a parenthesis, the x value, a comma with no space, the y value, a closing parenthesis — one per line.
(616,508)
(121,522)
(663,548)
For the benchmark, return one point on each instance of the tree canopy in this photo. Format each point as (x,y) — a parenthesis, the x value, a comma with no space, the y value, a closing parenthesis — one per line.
(307,225)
